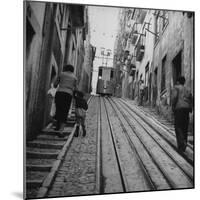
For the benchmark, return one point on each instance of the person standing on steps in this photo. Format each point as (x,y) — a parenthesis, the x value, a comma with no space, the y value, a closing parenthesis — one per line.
(63,98)
(80,111)
(182,103)
(141,89)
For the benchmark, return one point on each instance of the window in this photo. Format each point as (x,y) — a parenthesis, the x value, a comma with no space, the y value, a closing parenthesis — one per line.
(53,73)
(155,76)
(163,74)
(140,76)
(176,67)
(157,27)
(164,18)
(161,21)
(111,74)
(100,72)
(146,74)
(133,13)
(60,15)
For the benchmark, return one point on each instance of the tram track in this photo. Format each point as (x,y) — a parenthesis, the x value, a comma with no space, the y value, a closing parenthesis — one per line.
(145,183)
(157,136)
(187,171)
(168,133)
(131,155)
(114,142)
(130,173)
(110,172)
(153,174)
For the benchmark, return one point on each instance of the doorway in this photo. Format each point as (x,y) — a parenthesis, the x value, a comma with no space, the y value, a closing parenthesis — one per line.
(177,67)
(155,86)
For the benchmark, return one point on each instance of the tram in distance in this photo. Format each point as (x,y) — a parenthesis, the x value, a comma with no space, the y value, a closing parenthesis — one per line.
(105,82)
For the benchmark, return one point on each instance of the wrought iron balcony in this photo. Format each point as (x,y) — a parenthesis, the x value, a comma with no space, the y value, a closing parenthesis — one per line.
(132,70)
(140,52)
(134,37)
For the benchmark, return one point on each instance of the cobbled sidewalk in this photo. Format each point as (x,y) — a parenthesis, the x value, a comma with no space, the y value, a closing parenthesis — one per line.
(77,173)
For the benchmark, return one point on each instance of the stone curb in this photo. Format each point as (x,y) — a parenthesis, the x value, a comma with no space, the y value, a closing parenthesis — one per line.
(49,179)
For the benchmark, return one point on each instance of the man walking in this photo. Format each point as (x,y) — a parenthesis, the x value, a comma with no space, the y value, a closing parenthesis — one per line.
(181,106)
(141,89)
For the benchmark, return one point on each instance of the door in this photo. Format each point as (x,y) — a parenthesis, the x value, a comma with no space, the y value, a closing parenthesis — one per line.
(176,67)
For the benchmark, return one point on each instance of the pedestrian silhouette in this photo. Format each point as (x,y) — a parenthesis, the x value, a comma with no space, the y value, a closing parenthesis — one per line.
(80,112)
(67,84)
(141,94)
(181,106)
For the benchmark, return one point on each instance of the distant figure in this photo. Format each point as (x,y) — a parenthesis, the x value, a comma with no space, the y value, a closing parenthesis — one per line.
(67,84)
(80,111)
(141,90)
(181,106)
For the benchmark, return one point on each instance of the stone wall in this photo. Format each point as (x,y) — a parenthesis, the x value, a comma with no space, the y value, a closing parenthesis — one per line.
(176,37)
(47,49)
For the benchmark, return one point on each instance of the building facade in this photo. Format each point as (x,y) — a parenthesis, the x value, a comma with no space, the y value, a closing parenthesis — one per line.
(55,34)
(157,46)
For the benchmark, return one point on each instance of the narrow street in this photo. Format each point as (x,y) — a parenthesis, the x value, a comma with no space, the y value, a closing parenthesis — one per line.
(125,150)
(104,88)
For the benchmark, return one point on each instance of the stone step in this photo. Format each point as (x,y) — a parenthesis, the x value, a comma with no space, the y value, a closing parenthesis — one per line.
(39,144)
(39,161)
(36,175)
(38,167)
(45,137)
(32,154)
(49,141)
(30,184)
(70,123)
(42,150)
(52,132)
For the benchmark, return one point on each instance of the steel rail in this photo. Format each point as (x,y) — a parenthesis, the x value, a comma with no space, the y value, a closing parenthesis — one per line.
(115,150)
(190,161)
(160,124)
(127,110)
(146,171)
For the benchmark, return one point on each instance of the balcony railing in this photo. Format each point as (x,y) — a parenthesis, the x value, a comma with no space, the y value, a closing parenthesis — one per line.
(142,16)
(132,70)
(140,52)
(134,37)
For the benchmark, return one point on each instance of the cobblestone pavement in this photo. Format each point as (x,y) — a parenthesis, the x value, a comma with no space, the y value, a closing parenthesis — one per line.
(76,175)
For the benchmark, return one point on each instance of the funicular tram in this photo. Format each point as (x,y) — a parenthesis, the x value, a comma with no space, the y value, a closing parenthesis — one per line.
(105,82)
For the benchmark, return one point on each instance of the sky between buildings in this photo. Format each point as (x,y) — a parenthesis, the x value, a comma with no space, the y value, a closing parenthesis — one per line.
(103,29)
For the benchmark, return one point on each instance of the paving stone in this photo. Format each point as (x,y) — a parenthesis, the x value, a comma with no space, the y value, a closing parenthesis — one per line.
(59,179)
(87,179)
(76,175)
